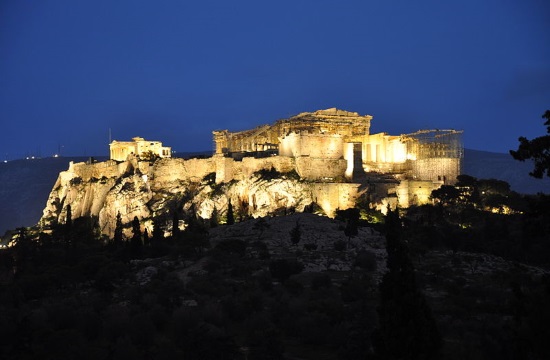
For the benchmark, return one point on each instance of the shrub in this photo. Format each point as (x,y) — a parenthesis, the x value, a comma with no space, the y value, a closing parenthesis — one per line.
(76,180)
(209,178)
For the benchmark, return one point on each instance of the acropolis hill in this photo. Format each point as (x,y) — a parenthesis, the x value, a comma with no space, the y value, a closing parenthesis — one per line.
(327,158)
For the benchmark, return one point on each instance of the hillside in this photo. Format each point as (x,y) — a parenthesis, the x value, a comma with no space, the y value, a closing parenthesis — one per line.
(25,184)
(247,291)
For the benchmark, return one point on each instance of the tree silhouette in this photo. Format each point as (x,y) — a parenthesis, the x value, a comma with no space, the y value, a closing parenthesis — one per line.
(295,234)
(537,150)
(136,242)
(214,217)
(158,233)
(117,239)
(407,329)
(146,241)
(230,215)
(68,229)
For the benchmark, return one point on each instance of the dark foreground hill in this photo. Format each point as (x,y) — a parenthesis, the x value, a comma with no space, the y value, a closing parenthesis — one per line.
(255,290)
(25,184)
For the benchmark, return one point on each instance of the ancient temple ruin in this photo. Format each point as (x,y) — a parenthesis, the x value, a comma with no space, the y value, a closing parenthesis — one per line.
(331,143)
(139,147)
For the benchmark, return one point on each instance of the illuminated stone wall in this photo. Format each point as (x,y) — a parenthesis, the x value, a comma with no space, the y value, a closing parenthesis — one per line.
(415,192)
(333,196)
(437,169)
(308,168)
(321,169)
(174,169)
(312,145)
(383,148)
(350,126)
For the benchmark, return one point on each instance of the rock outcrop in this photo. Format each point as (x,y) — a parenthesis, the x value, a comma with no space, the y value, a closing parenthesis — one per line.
(145,190)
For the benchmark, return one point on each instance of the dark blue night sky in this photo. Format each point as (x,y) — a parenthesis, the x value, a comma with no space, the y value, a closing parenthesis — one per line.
(176,70)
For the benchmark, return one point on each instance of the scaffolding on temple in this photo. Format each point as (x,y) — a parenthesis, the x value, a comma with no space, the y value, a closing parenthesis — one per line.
(426,144)
(436,152)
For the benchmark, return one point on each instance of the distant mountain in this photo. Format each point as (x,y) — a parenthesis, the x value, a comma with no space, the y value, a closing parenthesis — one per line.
(489,165)
(26,184)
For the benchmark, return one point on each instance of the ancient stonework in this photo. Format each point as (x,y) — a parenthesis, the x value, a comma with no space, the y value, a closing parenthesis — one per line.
(326,159)
(139,147)
(332,143)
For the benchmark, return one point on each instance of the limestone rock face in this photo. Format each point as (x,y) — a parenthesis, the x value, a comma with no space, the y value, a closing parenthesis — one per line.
(143,190)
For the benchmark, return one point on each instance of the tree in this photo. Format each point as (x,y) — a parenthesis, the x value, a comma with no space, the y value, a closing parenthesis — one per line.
(407,329)
(295,234)
(537,150)
(117,239)
(158,233)
(230,215)
(68,226)
(146,241)
(136,242)
(214,218)
(351,217)
(446,195)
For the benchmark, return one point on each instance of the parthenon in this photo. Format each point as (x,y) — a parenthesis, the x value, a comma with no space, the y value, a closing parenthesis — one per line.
(335,142)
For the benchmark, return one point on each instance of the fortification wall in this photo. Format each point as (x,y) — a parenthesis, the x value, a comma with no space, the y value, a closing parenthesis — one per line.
(228,169)
(174,169)
(437,169)
(86,171)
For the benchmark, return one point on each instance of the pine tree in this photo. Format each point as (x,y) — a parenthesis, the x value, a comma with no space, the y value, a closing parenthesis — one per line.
(136,234)
(68,229)
(117,239)
(295,234)
(158,233)
(407,329)
(230,215)
(146,241)
(214,218)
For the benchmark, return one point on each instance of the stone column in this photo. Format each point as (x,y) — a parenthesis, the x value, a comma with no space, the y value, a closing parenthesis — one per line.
(348,155)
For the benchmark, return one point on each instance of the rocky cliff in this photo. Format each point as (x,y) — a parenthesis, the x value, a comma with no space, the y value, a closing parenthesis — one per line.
(145,190)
